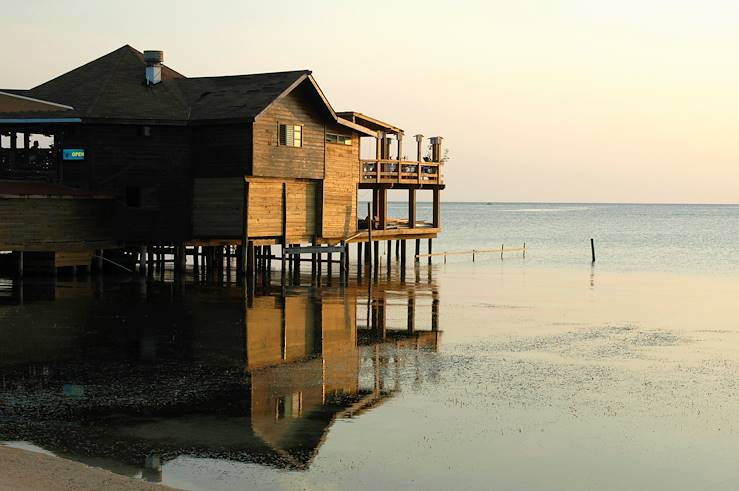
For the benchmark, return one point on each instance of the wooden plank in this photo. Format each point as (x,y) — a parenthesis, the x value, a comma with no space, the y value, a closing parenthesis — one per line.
(314,250)
(218,207)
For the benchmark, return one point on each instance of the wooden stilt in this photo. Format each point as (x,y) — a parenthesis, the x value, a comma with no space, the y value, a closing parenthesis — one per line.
(98,261)
(411,312)
(182,262)
(370,224)
(150,263)
(19,264)
(430,250)
(284,231)
(250,262)
(416,259)
(412,208)
(435,310)
(142,260)
(402,254)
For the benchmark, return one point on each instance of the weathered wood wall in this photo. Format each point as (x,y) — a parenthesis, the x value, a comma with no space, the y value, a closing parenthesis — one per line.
(265,208)
(222,150)
(340,186)
(273,160)
(218,207)
(118,157)
(56,224)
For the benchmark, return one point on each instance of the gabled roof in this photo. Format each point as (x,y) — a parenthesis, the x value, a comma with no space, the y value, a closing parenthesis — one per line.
(113,87)
(235,97)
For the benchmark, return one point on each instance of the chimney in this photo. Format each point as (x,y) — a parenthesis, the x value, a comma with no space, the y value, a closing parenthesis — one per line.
(153,61)
(436,148)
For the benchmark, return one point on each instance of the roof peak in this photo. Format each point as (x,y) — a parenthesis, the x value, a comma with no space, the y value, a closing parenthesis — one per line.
(306,72)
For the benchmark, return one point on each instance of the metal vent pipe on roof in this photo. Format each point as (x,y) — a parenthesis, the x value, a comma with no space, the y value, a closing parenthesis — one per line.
(153,59)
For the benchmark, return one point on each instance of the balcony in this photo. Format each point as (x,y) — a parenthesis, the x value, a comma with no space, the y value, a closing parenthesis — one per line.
(388,171)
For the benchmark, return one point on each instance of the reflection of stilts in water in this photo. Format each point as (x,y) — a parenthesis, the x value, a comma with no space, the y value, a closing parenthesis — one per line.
(307,364)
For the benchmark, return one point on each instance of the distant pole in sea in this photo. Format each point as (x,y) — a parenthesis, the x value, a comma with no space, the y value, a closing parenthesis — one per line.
(592,249)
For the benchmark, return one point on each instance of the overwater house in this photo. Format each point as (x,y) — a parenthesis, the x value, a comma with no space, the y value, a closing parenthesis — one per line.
(125,153)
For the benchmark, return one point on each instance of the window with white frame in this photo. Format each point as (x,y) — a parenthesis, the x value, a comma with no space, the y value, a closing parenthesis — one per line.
(291,135)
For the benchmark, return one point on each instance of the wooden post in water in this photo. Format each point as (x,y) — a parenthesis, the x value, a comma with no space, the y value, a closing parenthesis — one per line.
(19,264)
(402,255)
(430,247)
(99,261)
(376,248)
(250,255)
(417,259)
(592,249)
(370,220)
(142,260)
(182,258)
(411,311)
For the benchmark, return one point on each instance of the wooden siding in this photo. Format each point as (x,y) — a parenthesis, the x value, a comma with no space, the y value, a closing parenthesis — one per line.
(55,224)
(218,207)
(265,208)
(273,160)
(222,150)
(340,187)
(120,157)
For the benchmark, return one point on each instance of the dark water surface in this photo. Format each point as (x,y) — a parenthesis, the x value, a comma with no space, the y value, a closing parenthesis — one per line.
(535,373)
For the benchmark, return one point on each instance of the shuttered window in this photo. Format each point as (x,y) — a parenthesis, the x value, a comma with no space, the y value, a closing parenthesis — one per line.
(291,135)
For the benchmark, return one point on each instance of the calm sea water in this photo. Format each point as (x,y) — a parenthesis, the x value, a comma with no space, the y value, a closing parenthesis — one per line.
(654,238)
(538,373)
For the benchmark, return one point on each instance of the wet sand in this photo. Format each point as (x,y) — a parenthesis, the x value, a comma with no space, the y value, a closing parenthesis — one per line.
(21,470)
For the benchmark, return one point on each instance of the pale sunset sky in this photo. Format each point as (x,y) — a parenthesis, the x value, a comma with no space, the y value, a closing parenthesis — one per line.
(547,101)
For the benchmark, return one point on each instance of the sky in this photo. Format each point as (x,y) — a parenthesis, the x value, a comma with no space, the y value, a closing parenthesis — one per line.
(540,101)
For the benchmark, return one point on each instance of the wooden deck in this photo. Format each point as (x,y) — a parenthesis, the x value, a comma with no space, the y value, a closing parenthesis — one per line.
(396,234)
(388,171)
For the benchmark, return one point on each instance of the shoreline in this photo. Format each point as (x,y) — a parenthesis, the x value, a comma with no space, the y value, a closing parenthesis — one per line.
(24,470)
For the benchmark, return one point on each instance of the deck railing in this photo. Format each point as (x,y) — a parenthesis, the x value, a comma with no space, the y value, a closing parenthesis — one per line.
(28,164)
(400,172)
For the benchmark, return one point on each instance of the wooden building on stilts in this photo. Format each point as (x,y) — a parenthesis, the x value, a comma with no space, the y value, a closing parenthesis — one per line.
(127,161)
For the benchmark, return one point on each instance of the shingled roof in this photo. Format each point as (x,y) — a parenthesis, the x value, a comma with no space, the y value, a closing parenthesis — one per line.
(113,87)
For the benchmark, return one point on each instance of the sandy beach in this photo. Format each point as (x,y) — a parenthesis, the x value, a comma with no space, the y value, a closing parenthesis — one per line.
(30,471)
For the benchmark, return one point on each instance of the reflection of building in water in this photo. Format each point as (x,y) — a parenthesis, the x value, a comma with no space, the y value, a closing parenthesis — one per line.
(202,374)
